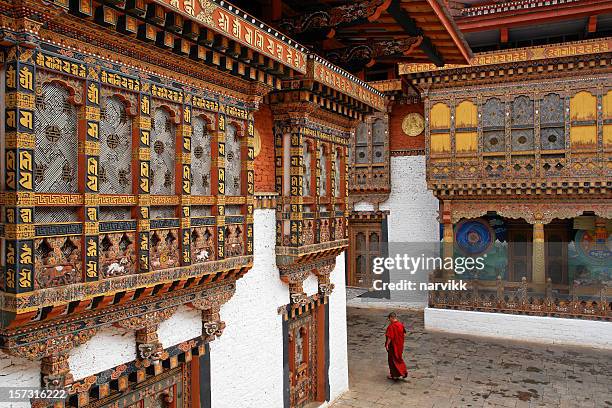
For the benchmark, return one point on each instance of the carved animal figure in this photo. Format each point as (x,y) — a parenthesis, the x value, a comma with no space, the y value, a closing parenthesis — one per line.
(202,256)
(117,268)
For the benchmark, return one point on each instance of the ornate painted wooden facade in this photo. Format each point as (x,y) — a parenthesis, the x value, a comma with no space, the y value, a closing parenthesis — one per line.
(128,177)
(314,119)
(524,135)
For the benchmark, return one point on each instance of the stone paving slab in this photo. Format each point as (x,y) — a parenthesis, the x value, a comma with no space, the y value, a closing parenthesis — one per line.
(451,371)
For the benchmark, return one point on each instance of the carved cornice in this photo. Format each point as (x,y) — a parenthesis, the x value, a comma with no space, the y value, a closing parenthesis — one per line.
(35,341)
(453,188)
(81,292)
(215,299)
(43,346)
(531,212)
(295,275)
(147,320)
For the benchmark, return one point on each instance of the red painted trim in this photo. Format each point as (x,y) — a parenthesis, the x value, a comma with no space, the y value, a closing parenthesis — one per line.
(452,31)
(531,16)
(195,381)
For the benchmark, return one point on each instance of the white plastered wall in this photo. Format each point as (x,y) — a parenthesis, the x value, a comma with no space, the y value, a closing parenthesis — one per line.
(247,361)
(539,329)
(413,218)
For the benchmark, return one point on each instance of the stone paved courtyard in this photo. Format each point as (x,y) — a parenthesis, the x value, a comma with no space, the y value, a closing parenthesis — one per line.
(453,371)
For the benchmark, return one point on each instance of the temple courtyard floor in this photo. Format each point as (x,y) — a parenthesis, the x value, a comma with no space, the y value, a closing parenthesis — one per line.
(447,371)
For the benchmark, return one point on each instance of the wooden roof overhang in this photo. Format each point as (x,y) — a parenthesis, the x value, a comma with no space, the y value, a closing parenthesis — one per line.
(527,12)
(332,89)
(501,66)
(210,31)
(392,30)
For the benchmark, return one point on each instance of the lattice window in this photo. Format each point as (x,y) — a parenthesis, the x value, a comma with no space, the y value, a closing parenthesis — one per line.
(115,213)
(56,155)
(115,147)
(323,164)
(379,130)
(163,212)
(552,128)
(493,125)
(307,170)
(361,147)
(522,123)
(201,210)
(201,158)
(233,161)
(232,210)
(162,153)
(47,215)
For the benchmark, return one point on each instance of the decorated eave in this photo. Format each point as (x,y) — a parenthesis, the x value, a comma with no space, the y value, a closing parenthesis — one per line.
(363,33)
(332,89)
(214,32)
(528,12)
(398,89)
(520,6)
(340,91)
(588,54)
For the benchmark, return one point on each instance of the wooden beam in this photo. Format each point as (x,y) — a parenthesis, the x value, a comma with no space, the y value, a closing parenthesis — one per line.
(503,35)
(355,58)
(324,22)
(410,26)
(531,16)
(592,24)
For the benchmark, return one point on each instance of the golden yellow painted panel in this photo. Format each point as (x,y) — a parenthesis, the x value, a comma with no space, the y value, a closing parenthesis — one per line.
(440,143)
(606,105)
(466,141)
(466,115)
(583,136)
(440,116)
(583,106)
(607,135)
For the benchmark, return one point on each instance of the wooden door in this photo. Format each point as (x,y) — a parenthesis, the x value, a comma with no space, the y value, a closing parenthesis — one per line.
(364,246)
(303,360)
(520,246)
(556,238)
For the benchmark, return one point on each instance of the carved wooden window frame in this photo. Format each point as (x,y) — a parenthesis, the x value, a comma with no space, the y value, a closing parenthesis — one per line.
(214,151)
(73,88)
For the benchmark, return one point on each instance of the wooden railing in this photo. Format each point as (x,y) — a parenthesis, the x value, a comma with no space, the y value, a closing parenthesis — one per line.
(593,301)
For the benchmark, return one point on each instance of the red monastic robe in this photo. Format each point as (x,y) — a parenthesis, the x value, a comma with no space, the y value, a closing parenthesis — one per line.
(396,332)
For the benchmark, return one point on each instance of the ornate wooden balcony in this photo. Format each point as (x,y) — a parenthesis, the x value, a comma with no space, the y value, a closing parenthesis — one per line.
(585,301)
(314,119)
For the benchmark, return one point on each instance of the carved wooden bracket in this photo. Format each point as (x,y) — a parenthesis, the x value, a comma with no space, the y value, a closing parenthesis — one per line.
(326,287)
(327,20)
(212,325)
(295,279)
(55,372)
(295,275)
(148,347)
(360,55)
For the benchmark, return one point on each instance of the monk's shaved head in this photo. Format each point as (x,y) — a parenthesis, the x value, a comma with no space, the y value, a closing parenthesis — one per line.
(392,315)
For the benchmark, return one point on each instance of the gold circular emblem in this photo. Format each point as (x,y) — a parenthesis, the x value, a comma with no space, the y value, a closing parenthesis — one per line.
(413,124)
(256,143)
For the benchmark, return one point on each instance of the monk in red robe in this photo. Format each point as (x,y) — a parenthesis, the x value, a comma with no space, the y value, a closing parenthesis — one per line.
(395,347)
